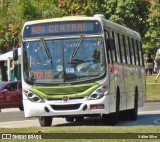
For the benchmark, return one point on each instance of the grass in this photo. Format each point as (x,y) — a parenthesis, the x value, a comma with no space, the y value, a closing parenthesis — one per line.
(152,88)
(153,93)
(116,133)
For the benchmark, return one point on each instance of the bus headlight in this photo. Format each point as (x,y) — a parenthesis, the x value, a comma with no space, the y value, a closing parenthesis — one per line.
(97,94)
(33,97)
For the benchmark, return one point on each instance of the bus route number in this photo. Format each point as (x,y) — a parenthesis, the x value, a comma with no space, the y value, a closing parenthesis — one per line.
(42,74)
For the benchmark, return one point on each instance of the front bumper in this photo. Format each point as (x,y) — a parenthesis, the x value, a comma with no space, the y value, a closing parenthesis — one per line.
(61,108)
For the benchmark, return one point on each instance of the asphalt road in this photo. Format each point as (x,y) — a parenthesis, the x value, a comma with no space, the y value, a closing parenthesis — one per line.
(149,114)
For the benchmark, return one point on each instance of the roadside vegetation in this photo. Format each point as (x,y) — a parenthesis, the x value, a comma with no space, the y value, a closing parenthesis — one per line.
(135,130)
(140,15)
(152,88)
(153,93)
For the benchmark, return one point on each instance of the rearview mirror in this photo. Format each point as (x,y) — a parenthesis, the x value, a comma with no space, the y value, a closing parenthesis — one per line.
(15,54)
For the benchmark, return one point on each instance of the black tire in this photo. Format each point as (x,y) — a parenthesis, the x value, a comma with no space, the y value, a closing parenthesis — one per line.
(45,121)
(133,113)
(69,119)
(21,108)
(123,115)
(113,118)
(79,119)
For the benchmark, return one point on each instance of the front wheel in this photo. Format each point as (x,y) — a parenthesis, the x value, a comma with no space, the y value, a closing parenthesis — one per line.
(21,108)
(79,119)
(45,121)
(113,118)
(70,119)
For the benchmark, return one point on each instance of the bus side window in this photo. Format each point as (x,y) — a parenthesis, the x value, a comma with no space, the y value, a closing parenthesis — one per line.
(110,51)
(132,51)
(136,52)
(140,53)
(108,55)
(125,45)
(113,51)
(129,50)
(117,51)
(128,57)
(119,47)
(122,49)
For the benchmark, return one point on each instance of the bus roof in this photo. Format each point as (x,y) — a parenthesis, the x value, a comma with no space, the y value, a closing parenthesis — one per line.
(107,23)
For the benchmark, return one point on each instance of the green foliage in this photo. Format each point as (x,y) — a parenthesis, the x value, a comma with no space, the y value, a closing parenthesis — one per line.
(14,13)
(152,37)
(133,14)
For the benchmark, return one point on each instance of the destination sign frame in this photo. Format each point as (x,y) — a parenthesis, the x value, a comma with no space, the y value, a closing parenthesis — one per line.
(62,28)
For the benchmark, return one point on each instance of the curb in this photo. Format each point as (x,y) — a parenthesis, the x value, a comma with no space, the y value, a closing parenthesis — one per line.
(10,110)
(151,101)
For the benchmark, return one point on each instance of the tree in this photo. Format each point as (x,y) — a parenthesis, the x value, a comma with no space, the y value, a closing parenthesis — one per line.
(14,13)
(80,7)
(130,13)
(152,37)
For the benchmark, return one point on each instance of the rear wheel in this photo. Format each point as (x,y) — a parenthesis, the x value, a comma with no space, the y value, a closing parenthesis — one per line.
(45,121)
(79,118)
(123,115)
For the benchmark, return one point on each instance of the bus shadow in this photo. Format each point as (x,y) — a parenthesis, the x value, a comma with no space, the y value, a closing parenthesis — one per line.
(143,119)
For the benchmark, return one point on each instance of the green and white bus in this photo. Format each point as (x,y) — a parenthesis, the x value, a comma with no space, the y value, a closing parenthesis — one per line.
(79,66)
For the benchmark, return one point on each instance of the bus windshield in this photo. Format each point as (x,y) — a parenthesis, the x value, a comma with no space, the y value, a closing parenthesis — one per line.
(64,60)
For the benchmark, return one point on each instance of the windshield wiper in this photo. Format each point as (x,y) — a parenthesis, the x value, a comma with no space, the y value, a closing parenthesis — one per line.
(76,48)
(47,50)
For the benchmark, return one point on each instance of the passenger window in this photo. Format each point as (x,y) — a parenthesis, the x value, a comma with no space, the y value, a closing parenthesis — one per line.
(117,47)
(129,47)
(108,52)
(132,51)
(140,53)
(136,52)
(122,49)
(127,50)
(113,52)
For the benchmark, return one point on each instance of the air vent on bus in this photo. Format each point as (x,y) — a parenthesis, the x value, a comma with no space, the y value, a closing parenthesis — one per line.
(66,107)
(74,16)
(59,99)
(99,16)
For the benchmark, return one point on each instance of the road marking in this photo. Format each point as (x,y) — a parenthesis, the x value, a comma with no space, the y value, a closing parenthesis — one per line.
(149,112)
(10,110)
(22,121)
(157,121)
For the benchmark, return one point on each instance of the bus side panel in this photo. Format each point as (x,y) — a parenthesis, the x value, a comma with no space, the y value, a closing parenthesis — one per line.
(123,93)
(118,83)
(129,78)
(134,81)
(112,95)
(142,97)
(139,80)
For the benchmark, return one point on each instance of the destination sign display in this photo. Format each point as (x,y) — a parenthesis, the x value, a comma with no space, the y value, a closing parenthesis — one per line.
(42,74)
(62,28)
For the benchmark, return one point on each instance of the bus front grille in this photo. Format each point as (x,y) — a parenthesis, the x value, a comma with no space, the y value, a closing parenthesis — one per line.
(66,107)
(59,99)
